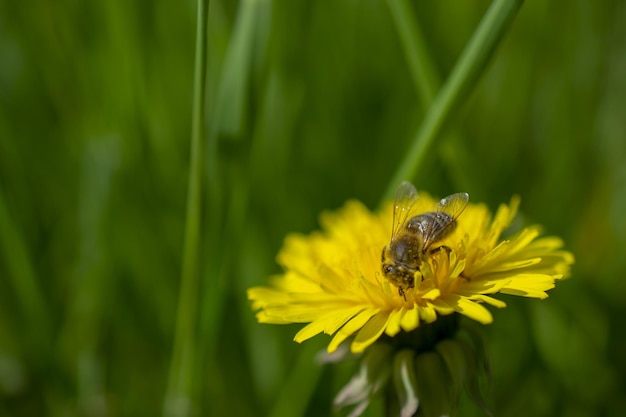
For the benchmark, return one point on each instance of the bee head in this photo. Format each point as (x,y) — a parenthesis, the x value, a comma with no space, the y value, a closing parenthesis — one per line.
(397,270)
(389,269)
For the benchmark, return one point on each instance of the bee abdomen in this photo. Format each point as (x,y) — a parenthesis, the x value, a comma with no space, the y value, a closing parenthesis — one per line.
(432,225)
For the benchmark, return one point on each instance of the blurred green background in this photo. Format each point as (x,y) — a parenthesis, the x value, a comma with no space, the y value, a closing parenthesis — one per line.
(310,103)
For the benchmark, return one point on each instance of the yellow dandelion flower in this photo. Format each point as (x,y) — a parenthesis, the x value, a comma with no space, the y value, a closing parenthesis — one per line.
(334,281)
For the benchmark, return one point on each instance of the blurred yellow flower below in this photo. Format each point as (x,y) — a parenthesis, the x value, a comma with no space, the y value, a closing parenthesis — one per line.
(333,279)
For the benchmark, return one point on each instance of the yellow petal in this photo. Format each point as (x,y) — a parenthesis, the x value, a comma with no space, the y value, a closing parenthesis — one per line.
(410,320)
(470,309)
(432,294)
(489,300)
(350,327)
(428,313)
(442,307)
(370,332)
(339,318)
(487,285)
(310,330)
(530,285)
(393,325)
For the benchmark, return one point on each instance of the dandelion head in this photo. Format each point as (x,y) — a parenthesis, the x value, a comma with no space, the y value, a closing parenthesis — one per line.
(335,283)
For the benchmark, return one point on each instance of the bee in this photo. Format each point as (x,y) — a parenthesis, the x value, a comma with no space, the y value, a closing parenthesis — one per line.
(414,234)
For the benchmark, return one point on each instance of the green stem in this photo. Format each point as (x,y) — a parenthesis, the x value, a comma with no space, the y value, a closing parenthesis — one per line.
(458,85)
(421,66)
(178,398)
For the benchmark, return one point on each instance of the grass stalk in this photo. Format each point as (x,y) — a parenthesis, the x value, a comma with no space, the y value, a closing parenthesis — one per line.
(14,251)
(463,77)
(178,398)
(420,63)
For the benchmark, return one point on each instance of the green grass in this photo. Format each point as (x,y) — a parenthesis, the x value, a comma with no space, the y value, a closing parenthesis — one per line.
(308,104)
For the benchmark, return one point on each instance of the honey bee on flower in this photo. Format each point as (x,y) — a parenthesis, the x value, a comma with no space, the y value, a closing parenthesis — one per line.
(332,278)
(403,311)
(414,234)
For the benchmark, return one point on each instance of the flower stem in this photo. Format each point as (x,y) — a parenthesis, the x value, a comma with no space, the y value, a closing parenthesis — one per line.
(458,85)
(178,401)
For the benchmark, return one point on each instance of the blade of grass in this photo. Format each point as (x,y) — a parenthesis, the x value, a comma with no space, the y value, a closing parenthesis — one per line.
(79,337)
(427,82)
(19,264)
(425,77)
(232,95)
(458,85)
(178,398)
(228,122)
(300,383)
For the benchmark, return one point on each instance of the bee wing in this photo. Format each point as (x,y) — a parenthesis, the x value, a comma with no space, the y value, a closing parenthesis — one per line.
(453,205)
(448,210)
(406,196)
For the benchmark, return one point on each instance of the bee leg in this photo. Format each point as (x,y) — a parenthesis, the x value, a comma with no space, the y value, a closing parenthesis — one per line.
(440,248)
(401,292)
